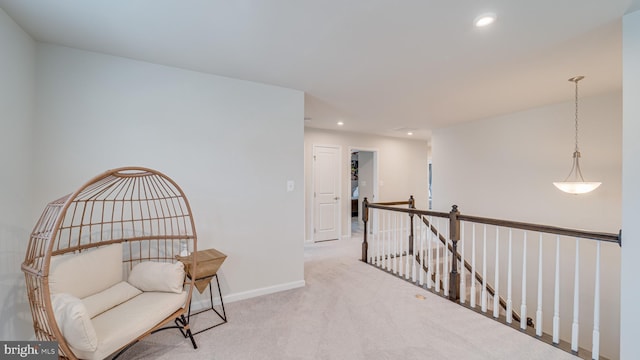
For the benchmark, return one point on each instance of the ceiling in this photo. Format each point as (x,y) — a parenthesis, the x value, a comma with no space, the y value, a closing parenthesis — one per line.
(380,66)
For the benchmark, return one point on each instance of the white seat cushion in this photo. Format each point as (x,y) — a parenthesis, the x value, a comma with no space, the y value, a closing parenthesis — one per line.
(117,294)
(87,273)
(127,321)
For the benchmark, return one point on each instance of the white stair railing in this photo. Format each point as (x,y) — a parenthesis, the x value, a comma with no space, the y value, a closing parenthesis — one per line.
(404,240)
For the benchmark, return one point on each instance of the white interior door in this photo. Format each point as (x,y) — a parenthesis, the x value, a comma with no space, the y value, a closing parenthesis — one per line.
(326,172)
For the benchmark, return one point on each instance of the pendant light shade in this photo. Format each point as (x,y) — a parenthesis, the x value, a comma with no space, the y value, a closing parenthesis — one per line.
(577,187)
(574,183)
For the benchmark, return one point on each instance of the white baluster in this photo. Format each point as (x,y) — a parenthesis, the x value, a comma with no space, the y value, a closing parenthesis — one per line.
(401,239)
(403,242)
(595,350)
(576,299)
(382,238)
(371,238)
(446,267)
(379,237)
(523,305)
(463,281)
(389,239)
(421,251)
(474,293)
(556,296)
(374,245)
(399,242)
(496,294)
(484,271)
(413,256)
(414,263)
(385,243)
(437,255)
(393,244)
(429,255)
(398,233)
(406,238)
(509,309)
(539,310)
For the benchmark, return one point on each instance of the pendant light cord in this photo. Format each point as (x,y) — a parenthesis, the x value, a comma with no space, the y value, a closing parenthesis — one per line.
(576,81)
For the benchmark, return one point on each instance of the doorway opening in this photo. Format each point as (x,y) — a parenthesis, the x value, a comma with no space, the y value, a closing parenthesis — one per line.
(363,183)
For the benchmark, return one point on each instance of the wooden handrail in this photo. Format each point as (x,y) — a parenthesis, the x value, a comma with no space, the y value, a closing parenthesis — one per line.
(407,210)
(606,237)
(390,203)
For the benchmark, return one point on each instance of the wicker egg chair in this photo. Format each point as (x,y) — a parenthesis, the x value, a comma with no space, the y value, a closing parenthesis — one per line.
(140,208)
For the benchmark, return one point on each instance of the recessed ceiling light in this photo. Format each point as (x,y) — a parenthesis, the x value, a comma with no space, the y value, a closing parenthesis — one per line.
(409,133)
(485,19)
(340,123)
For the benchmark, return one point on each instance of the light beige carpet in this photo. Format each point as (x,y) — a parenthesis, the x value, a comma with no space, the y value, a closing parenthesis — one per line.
(348,310)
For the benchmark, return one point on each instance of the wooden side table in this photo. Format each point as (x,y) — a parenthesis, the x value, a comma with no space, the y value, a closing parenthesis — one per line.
(208,263)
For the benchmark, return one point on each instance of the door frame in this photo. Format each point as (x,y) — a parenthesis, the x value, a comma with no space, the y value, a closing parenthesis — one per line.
(376,167)
(313,189)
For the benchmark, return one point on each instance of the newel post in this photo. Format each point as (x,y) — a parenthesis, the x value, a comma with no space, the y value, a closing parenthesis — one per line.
(365,219)
(412,205)
(454,231)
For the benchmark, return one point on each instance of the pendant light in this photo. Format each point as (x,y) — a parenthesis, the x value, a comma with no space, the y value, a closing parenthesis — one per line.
(574,183)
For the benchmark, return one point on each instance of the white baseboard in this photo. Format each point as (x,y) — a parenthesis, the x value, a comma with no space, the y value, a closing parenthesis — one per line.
(308,241)
(204,303)
(347,236)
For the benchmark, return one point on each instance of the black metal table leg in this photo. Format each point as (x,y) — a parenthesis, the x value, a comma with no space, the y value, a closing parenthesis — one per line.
(222,316)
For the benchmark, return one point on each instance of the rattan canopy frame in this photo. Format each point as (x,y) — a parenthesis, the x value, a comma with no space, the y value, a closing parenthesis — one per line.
(141,208)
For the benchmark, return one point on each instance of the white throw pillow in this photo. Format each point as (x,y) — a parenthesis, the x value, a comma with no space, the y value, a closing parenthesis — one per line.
(74,322)
(117,294)
(157,276)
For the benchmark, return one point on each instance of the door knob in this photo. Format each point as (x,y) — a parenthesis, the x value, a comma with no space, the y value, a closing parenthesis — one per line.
(336,198)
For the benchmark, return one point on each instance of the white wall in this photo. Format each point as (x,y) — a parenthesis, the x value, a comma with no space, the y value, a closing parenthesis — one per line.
(504,167)
(231,145)
(16,104)
(365,179)
(630,268)
(402,169)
